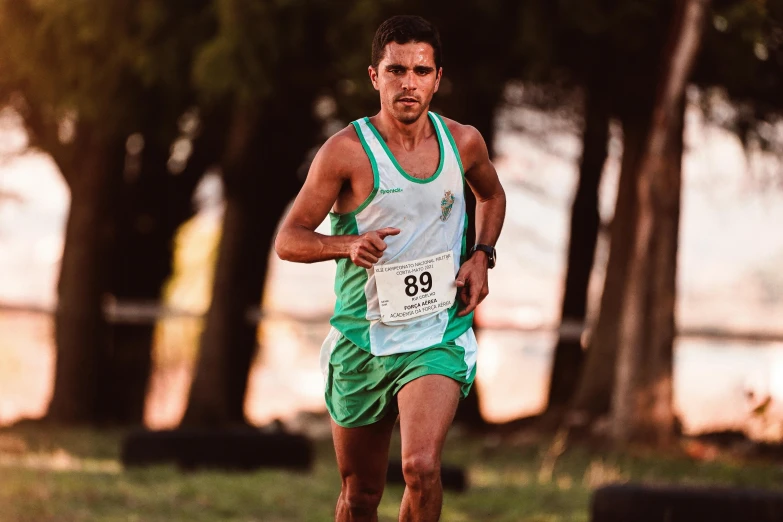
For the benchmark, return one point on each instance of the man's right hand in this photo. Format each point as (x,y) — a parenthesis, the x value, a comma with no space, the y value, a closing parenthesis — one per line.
(368,248)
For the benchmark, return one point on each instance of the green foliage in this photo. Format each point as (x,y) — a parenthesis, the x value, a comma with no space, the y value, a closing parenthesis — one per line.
(743,52)
(261,49)
(94,58)
(97,61)
(63,54)
(106,61)
(240,59)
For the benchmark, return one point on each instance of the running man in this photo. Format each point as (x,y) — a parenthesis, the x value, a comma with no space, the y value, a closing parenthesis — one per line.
(401,342)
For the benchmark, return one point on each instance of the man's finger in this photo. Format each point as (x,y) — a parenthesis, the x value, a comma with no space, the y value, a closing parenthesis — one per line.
(462,277)
(362,263)
(365,259)
(376,242)
(464,295)
(471,306)
(474,300)
(388,231)
(469,294)
(374,249)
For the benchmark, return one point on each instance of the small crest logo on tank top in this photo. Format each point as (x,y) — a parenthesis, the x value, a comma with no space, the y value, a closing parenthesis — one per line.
(446,204)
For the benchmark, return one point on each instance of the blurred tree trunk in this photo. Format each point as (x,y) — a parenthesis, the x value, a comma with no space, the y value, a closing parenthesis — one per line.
(140,263)
(81,334)
(228,342)
(151,204)
(267,143)
(264,152)
(642,403)
(118,242)
(658,327)
(661,332)
(83,121)
(593,393)
(585,221)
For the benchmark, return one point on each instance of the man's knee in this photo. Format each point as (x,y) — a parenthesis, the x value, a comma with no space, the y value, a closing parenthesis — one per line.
(361,501)
(420,470)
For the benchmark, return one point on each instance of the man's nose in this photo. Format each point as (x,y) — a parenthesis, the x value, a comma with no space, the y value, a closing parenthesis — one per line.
(409,81)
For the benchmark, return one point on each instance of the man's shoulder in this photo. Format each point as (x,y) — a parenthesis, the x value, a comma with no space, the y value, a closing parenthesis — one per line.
(467,138)
(343,141)
(343,150)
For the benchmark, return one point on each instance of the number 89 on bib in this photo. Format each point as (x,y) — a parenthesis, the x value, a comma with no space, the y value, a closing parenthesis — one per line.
(411,289)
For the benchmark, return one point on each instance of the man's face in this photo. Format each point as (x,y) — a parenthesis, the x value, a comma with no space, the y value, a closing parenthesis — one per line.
(406,79)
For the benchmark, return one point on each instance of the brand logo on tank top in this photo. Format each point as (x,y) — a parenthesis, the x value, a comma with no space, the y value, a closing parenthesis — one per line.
(391,191)
(446,204)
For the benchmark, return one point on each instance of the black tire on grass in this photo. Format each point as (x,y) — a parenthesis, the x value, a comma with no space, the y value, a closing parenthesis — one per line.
(238,450)
(644,503)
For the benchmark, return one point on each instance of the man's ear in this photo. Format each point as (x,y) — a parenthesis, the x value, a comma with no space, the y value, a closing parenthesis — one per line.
(373,76)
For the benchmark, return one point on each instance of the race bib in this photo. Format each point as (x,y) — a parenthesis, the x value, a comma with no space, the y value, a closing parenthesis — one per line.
(414,288)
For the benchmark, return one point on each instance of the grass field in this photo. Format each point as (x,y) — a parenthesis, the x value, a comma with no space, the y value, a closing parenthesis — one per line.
(75,475)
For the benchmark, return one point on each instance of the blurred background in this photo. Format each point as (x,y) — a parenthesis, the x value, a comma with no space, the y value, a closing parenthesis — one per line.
(149,149)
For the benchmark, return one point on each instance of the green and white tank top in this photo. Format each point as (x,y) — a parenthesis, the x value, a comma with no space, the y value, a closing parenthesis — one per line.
(432,218)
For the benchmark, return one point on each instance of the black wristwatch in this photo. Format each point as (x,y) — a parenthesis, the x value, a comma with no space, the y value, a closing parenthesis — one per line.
(489,250)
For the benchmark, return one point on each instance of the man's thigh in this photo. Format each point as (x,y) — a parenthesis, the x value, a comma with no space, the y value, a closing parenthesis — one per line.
(427,406)
(363,452)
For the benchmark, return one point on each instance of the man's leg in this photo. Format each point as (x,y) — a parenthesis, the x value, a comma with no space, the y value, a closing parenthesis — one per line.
(427,407)
(363,457)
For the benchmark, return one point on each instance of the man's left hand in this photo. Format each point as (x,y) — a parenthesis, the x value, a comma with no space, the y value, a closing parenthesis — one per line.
(471,282)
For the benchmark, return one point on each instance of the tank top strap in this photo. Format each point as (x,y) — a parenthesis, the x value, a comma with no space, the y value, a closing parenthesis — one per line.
(370,143)
(450,146)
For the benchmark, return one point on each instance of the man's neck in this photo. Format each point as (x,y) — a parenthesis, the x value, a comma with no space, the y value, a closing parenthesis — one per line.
(407,135)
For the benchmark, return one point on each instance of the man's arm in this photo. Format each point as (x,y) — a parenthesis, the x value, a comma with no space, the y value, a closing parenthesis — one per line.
(297,240)
(490,213)
(485,184)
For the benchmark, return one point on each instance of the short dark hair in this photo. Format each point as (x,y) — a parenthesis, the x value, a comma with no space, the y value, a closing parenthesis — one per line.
(403,29)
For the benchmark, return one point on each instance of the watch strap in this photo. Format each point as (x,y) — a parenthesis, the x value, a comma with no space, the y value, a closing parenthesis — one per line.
(489,250)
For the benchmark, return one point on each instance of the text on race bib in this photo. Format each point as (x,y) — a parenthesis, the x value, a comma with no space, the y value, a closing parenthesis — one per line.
(410,289)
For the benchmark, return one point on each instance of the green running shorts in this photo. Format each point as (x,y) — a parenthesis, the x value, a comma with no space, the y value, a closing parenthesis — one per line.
(361,388)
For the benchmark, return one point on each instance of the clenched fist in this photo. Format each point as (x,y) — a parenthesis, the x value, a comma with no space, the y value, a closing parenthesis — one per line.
(368,248)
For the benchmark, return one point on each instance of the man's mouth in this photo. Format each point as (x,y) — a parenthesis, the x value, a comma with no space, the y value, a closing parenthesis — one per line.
(407,100)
